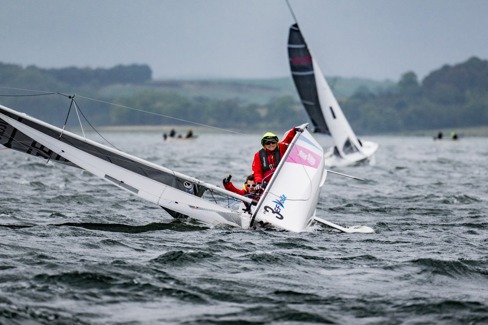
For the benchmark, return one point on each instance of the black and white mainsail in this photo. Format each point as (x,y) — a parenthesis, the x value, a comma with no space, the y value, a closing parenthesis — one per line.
(302,71)
(322,107)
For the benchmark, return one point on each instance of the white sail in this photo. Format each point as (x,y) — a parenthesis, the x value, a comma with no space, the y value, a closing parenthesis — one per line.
(322,106)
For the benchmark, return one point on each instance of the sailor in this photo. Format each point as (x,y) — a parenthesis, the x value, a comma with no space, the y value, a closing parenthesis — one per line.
(267,159)
(250,189)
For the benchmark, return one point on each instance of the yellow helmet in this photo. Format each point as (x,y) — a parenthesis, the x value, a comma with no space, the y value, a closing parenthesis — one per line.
(268,136)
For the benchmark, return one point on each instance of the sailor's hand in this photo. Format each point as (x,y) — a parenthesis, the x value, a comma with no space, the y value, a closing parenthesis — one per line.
(227,179)
(297,130)
(258,187)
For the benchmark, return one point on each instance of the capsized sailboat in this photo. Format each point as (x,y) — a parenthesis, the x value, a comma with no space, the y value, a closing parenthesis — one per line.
(177,193)
(322,106)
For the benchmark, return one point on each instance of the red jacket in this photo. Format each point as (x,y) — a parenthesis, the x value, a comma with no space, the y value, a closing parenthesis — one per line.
(252,195)
(230,187)
(257,167)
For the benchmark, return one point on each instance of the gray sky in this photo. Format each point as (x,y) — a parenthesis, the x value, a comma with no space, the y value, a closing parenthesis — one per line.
(378,39)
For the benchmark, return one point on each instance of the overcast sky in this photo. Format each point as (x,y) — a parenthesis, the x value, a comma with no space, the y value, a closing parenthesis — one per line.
(378,39)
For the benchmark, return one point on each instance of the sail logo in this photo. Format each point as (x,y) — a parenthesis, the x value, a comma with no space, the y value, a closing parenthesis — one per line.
(302,156)
(307,157)
(279,205)
(300,61)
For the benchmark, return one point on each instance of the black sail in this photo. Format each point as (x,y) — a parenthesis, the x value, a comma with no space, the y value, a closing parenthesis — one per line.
(301,67)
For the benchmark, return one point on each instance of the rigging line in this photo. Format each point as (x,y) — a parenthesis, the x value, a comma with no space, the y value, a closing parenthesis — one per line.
(346,175)
(295,19)
(67,115)
(64,126)
(79,120)
(123,106)
(32,95)
(43,92)
(162,115)
(291,11)
(94,129)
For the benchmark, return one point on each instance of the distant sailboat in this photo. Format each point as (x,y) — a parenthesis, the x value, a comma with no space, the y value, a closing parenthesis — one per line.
(322,107)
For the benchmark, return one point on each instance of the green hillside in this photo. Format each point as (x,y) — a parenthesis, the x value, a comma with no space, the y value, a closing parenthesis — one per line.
(451,97)
(258,91)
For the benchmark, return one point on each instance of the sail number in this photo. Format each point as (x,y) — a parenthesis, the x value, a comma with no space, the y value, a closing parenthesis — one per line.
(279,205)
(276,212)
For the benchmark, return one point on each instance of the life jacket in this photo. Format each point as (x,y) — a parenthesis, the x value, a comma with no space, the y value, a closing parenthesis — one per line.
(254,196)
(263,157)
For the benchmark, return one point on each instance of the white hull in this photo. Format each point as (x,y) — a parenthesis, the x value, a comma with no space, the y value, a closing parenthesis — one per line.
(179,140)
(365,157)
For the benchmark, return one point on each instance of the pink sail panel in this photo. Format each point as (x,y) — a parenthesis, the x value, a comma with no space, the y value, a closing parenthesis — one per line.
(303,156)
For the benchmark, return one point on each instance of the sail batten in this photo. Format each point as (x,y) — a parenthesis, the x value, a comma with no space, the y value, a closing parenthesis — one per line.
(306,73)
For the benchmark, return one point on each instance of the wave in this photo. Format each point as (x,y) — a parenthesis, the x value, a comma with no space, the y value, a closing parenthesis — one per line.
(453,268)
(175,225)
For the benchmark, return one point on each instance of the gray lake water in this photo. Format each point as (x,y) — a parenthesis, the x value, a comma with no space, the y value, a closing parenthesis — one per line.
(75,249)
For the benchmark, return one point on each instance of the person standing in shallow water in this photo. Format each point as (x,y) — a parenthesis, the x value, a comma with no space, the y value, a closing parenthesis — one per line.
(267,159)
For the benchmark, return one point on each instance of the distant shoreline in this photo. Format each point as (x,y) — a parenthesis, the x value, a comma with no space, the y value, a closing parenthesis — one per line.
(481,131)
(180,129)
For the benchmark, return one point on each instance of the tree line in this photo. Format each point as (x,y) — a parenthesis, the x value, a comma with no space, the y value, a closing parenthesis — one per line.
(449,97)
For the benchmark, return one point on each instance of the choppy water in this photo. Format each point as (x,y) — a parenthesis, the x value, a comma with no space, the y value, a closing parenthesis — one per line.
(75,249)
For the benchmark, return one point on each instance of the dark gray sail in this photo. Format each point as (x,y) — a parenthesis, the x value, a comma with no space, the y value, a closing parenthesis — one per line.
(12,138)
(302,70)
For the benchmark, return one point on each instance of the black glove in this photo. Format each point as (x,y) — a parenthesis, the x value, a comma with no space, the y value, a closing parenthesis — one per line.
(297,129)
(227,179)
